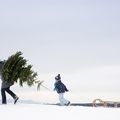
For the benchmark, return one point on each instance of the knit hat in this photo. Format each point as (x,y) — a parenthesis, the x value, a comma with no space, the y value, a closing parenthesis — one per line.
(58,77)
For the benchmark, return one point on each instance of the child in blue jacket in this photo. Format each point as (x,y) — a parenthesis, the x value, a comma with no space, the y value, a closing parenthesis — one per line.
(61,89)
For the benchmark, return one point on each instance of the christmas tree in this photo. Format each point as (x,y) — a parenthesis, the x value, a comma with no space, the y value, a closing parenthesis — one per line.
(16,69)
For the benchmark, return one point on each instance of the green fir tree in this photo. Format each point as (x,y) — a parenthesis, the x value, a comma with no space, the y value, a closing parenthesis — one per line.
(16,69)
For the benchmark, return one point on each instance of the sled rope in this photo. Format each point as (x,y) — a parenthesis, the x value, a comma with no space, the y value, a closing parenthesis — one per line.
(45,87)
(40,83)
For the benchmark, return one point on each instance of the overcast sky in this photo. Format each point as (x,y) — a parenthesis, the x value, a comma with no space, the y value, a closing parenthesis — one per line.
(78,38)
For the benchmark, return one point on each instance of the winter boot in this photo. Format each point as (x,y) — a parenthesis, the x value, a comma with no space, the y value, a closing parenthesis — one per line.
(16,99)
(68,103)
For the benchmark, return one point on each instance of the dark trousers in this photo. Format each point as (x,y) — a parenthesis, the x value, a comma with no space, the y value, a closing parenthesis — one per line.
(3,90)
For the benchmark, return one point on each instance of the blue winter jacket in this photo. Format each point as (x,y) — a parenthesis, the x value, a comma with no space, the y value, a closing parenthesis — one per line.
(60,87)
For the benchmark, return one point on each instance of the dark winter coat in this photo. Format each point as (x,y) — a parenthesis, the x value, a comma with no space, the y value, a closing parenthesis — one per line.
(60,87)
(5,84)
(1,64)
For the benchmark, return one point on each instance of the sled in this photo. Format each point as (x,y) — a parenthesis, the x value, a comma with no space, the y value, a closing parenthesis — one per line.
(105,103)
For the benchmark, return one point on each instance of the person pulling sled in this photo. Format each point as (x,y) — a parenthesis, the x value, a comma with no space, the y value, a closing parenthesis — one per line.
(60,88)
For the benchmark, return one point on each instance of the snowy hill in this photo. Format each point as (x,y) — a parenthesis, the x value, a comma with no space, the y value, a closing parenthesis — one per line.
(31,106)
(46,112)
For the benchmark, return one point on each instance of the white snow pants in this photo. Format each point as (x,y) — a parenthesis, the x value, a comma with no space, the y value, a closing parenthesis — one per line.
(62,100)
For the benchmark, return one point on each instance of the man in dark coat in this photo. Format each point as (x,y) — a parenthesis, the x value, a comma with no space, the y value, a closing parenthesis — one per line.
(61,89)
(5,87)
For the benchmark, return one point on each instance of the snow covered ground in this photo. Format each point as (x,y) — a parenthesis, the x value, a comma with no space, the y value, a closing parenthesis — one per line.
(31,107)
(46,112)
